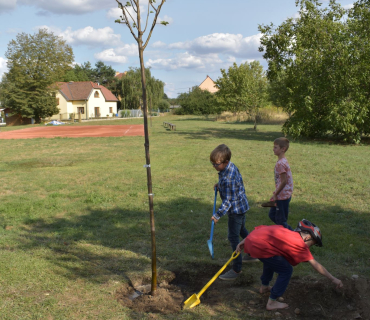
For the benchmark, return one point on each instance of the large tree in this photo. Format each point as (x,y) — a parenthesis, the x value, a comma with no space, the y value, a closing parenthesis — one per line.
(35,63)
(82,72)
(101,74)
(130,89)
(243,88)
(318,69)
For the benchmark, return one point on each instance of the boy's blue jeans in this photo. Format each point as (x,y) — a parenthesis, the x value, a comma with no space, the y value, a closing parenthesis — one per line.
(237,228)
(279,214)
(284,270)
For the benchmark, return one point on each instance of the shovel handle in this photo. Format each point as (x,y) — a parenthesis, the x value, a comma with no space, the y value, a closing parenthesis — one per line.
(214,210)
(233,256)
(214,204)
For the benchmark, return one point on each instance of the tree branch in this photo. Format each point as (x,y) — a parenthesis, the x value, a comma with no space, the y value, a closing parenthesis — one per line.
(127,22)
(133,7)
(147,17)
(154,22)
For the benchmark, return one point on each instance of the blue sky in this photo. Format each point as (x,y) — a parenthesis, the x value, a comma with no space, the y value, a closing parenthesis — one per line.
(202,36)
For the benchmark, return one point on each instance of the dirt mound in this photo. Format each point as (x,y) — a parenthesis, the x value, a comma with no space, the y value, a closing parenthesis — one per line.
(168,298)
(308,298)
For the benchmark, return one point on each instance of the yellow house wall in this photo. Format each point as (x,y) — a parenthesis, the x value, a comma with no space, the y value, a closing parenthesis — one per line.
(67,107)
(102,104)
(209,85)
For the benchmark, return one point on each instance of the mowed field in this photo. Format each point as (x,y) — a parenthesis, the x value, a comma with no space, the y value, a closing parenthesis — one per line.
(74,216)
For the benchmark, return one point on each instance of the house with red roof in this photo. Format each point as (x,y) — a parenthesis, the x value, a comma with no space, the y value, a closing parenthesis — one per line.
(88,98)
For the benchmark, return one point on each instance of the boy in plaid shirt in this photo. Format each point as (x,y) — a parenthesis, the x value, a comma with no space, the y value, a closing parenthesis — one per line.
(234,204)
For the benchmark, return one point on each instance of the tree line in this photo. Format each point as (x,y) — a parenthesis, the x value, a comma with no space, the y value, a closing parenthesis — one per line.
(37,62)
(318,72)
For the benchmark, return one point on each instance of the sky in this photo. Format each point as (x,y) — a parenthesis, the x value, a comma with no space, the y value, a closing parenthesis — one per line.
(202,37)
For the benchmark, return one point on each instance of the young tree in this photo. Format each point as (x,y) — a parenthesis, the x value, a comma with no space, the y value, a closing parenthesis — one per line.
(134,21)
(243,88)
(316,70)
(35,63)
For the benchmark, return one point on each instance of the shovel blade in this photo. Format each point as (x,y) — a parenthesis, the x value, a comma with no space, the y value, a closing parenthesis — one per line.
(191,302)
(210,247)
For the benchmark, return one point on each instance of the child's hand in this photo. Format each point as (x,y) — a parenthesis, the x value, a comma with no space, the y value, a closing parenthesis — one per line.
(240,247)
(215,186)
(214,219)
(338,283)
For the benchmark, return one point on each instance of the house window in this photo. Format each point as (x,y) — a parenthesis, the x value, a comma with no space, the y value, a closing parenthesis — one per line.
(57,101)
(81,110)
(96,94)
(110,109)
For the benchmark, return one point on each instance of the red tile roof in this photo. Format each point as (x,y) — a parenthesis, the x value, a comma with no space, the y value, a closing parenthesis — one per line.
(119,75)
(82,90)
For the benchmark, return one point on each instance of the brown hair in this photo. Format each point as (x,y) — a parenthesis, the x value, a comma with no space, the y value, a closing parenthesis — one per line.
(221,153)
(282,143)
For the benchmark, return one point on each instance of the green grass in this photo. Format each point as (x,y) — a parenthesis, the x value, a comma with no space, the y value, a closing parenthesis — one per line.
(74,217)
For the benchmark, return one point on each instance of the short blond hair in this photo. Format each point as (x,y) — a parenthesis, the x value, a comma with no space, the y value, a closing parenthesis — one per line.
(221,153)
(282,143)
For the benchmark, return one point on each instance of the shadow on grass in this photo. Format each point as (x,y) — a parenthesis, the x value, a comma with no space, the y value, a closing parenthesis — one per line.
(117,242)
(242,133)
(244,130)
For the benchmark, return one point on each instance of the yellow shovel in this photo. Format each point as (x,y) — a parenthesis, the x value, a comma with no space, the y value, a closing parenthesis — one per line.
(194,299)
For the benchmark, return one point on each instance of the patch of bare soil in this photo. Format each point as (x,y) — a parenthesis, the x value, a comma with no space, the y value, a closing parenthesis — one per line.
(308,298)
(168,298)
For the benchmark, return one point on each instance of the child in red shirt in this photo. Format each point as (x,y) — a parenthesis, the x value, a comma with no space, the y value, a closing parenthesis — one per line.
(279,249)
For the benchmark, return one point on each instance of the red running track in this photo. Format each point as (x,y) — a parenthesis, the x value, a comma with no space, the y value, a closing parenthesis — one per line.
(75,131)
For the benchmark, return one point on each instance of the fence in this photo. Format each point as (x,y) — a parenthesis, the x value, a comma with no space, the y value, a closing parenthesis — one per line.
(133,113)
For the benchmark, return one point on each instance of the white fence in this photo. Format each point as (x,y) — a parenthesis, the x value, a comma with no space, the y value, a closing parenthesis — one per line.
(133,113)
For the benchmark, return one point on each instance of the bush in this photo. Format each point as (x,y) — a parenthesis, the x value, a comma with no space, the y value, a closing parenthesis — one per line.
(197,102)
(163,105)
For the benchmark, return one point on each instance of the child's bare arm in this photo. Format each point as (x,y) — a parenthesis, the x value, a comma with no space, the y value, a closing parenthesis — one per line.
(321,269)
(240,246)
(283,182)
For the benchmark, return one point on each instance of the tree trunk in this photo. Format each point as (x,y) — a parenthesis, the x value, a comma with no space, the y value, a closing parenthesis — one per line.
(148,171)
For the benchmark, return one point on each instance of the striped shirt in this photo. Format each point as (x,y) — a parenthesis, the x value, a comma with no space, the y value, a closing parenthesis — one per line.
(232,192)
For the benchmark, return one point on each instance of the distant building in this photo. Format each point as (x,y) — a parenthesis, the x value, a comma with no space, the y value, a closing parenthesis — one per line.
(209,85)
(88,98)
(119,75)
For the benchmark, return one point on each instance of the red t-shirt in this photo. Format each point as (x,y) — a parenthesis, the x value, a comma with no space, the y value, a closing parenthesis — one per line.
(270,241)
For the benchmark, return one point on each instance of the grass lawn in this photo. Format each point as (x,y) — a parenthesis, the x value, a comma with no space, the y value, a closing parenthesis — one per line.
(74,217)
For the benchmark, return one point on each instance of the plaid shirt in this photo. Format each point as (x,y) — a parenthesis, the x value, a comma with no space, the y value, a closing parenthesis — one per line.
(232,192)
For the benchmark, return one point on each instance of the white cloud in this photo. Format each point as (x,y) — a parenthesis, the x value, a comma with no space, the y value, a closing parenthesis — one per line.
(114,13)
(348,6)
(127,50)
(91,37)
(74,7)
(7,5)
(165,18)
(118,55)
(3,67)
(159,44)
(110,56)
(186,60)
(222,43)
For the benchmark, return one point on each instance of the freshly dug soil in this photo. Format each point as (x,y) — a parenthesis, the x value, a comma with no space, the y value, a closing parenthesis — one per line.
(308,298)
